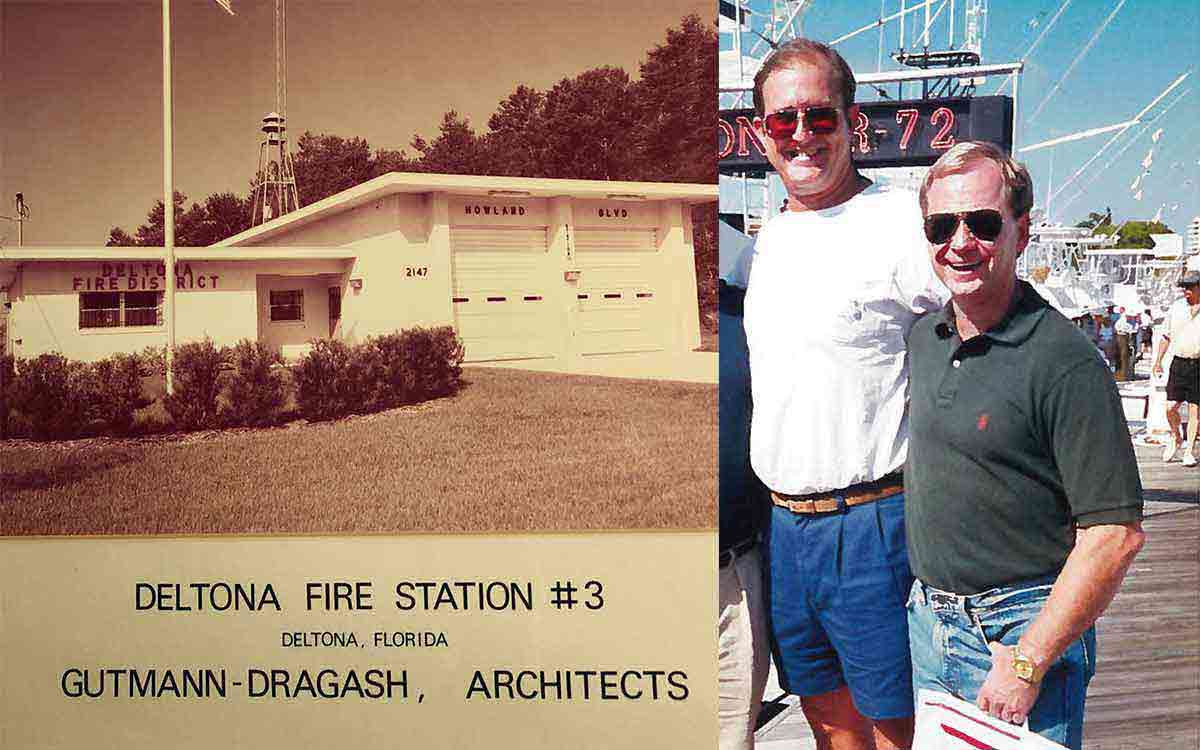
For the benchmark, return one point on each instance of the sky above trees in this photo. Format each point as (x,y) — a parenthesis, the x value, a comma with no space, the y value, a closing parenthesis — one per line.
(82,121)
(599,125)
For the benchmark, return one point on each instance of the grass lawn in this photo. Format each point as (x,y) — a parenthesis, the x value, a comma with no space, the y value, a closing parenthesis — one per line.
(513,451)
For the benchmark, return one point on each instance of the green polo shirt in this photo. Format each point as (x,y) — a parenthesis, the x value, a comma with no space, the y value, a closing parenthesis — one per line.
(1017,438)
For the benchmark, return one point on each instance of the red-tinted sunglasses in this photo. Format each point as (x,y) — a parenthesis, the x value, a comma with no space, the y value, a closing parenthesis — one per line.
(984,223)
(817,120)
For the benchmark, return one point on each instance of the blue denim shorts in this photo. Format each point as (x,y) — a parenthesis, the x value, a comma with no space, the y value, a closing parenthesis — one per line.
(836,588)
(949,636)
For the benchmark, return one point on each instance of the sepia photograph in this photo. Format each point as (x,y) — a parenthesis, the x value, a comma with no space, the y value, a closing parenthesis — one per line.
(358,373)
(435,267)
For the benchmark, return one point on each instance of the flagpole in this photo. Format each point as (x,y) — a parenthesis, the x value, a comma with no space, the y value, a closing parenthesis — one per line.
(168,198)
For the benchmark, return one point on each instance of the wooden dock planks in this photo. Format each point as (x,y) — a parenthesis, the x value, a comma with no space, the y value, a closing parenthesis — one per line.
(1146,693)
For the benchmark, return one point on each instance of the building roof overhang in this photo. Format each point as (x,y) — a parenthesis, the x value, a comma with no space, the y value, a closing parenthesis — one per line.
(37,253)
(497,187)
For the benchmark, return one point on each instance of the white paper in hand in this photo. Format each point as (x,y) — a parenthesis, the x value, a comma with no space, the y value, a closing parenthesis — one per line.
(947,723)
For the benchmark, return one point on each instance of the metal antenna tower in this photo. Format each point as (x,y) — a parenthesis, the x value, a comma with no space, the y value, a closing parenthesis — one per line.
(276,192)
(21,214)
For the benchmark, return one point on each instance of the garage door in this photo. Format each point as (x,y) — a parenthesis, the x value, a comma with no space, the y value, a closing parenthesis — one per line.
(500,283)
(617,299)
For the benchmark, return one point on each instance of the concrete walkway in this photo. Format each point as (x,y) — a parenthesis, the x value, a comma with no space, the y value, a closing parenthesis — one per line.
(690,367)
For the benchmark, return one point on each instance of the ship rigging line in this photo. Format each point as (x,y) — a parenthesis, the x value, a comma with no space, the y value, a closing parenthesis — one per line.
(1136,118)
(936,13)
(741,97)
(1036,42)
(1058,84)
(879,58)
(880,22)
(1125,147)
(1077,136)
(786,24)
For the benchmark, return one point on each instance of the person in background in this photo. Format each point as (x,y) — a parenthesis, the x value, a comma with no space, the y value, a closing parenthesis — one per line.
(1145,333)
(837,282)
(1126,332)
(1182,339)
(1087,323)
(1135,349)
(1024,502)
(742,641)
(1106,337)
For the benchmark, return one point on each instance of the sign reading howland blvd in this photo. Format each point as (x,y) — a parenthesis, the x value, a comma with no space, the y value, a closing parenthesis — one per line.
(885,134)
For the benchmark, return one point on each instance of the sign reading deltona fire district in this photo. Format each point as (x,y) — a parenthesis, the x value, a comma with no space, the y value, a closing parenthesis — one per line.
(885,134)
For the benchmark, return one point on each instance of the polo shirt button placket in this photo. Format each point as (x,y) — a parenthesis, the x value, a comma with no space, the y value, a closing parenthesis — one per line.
(949,387)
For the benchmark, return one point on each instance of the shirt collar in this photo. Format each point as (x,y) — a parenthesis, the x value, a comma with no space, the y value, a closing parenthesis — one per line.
(1024,313)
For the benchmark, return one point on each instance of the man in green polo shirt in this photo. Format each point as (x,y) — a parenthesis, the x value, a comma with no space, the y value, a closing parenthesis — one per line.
(1023,500)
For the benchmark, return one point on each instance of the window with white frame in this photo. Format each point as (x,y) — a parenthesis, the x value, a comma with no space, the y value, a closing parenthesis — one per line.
(287,304)
(120,309)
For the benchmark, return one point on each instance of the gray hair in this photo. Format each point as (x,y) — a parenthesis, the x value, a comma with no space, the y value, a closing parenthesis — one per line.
(1018,185)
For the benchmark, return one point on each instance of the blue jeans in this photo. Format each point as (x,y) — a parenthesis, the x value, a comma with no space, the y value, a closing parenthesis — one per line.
(948,636)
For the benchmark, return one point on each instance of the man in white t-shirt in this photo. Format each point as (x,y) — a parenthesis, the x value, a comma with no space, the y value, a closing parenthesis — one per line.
(1183,383)
(837,282)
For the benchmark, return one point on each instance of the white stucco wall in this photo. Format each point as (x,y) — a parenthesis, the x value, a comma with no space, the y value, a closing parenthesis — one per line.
(315,315)
(215,300)
(399,275)
(403,280)
(399,279)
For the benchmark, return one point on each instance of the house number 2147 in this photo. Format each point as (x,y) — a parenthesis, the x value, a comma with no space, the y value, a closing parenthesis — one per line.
(416,271)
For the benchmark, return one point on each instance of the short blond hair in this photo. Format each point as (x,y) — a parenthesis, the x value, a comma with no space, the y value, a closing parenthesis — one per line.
(1018,185)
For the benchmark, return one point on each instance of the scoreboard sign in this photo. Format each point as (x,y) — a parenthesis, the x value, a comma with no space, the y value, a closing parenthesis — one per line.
(885,134)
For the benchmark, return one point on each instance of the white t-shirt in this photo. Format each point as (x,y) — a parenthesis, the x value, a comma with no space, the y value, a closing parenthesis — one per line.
(1183,328)
(832,297)
(1126,325)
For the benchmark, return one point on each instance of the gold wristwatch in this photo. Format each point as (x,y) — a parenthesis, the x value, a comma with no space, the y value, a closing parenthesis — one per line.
(1024,666)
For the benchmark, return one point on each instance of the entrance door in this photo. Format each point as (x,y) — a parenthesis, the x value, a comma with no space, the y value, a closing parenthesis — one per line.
(335,309)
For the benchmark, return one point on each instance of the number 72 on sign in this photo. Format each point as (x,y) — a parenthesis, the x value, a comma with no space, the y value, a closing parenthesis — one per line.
(884,134)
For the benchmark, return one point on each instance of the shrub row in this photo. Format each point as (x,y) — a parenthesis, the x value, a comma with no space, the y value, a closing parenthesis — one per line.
(54,397)
(384,372)
(50,396)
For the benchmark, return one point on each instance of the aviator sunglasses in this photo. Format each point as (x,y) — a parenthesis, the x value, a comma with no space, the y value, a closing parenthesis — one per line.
(817,120)
(984,224)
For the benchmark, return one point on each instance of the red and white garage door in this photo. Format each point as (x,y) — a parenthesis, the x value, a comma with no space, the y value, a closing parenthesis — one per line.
(501,279)
(618,299)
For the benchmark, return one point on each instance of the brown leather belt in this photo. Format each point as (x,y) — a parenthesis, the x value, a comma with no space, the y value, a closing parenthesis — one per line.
(855,494)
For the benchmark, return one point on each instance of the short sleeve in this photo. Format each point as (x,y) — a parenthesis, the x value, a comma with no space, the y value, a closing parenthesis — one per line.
(1091,446)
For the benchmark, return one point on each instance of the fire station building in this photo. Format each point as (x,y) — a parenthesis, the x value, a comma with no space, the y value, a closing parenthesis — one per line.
(524,269)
